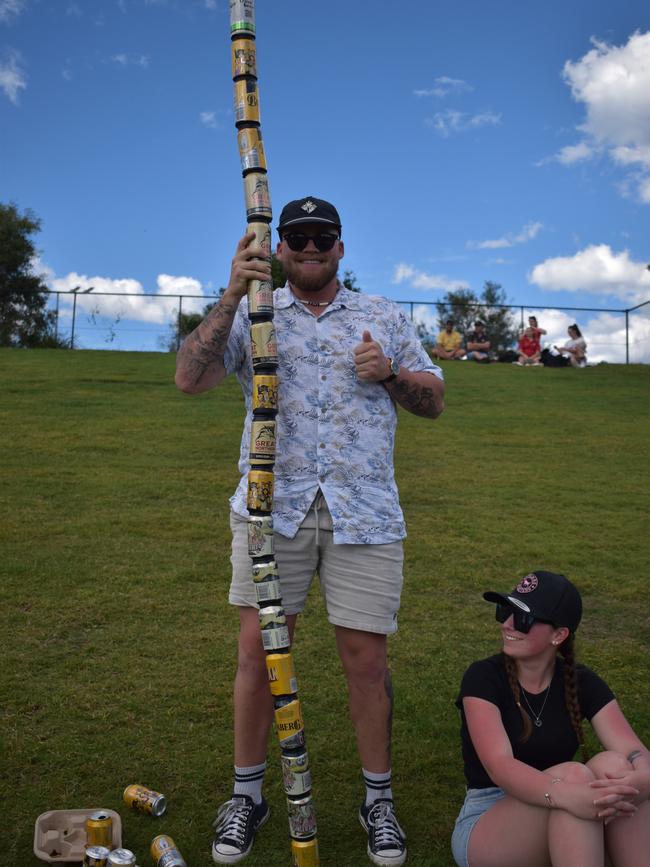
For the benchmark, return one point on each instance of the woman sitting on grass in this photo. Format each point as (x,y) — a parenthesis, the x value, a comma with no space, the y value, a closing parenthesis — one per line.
(528,803)
(575,349)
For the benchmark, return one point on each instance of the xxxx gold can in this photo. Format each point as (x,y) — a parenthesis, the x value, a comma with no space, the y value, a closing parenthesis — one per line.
(265,392)
(247,102)
(273,625)
(289,724)
(304,853)
(242,17)
(260,491)
(260,536)
(263,444)
(266,581)
(264,344)
(99,829)
(145,800)
(96,856)
(165,853)
(296,775)
(251,149)
(257,196)
(282,673)
(302,817)
(244,61)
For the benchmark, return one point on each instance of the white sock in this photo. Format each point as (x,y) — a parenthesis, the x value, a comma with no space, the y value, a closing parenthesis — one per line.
(248,781)
(377,786)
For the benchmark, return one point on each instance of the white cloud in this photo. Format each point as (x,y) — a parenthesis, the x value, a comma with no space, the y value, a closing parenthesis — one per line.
(452,121)
(529,231)
(425,282)
(130,60)
(12,77)
(443,86)
(596,269)
(10,9)
(209,118)
(577,153)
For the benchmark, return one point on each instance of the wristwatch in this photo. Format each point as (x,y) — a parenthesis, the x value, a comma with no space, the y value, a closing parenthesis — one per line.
(394,370)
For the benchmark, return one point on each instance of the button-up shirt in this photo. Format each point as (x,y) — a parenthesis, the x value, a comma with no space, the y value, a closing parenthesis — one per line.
(334,431)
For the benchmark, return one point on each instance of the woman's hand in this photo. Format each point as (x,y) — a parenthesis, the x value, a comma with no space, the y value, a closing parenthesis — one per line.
(613,799)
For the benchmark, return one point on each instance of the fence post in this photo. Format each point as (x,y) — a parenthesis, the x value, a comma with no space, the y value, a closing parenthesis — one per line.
(74,317)
(411,311)
(627,336)
(56,318)
(178,325)
(522,318)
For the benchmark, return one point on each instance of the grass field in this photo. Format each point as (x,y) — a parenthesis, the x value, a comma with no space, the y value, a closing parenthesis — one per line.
(118,647)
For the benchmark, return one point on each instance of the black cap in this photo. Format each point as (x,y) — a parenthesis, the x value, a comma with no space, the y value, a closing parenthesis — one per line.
(546,595)
(309,210)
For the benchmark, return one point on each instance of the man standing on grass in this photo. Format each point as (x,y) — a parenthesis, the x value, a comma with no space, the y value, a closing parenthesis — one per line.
(345,361)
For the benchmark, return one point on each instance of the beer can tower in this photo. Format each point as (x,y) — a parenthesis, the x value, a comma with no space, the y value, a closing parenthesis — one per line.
(289,723)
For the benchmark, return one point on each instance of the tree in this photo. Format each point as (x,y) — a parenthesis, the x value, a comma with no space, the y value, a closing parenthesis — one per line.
(184,325)
(464,308)
(24,318)
(350,281)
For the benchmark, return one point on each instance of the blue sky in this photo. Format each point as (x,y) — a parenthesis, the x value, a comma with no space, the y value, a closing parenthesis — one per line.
(461,143)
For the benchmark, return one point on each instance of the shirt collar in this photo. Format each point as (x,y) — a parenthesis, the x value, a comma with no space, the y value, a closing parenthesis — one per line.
(284,297)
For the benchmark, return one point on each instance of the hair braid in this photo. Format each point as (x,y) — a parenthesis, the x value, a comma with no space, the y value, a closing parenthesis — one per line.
(571,693)
(513,680)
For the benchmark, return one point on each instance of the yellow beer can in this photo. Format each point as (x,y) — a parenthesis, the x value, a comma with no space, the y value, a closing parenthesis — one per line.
(165,853)
(302,817)
(260,536)
(260,491)
(289,724)
(251,149)
(263,443)
(99,829)
(262,231)
(264,344)
(304,853)
(282,673)
(265,392)
(244,60)
(247,101)
(260,299)
(257,196)
(145,800)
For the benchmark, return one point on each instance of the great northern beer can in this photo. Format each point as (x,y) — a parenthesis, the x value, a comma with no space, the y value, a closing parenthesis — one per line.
(266,581)
(260,536)
(260,491)
(304,853)
(247,101)
(273,625)
(257,196)
(302,817)
(145,800)
(264,345)
(96,856)
(289,724)
(263,237)
(251,149)
(263,445)
(265,392)
(121,858)
(99,829)
(165,853)
(296,775)
(282,673)
(242,16)
(244,60)
(260,299)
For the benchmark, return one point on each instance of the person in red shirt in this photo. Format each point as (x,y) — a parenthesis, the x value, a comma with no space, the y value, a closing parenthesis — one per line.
(529,349)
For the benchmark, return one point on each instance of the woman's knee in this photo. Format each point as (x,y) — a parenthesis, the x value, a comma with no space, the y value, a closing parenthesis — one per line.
(573,772)
(609,762)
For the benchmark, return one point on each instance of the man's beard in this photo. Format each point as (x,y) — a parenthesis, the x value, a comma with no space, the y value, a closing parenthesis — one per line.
(310,282)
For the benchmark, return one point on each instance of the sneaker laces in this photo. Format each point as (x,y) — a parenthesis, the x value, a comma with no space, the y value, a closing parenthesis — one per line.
(388,833)
(232,818)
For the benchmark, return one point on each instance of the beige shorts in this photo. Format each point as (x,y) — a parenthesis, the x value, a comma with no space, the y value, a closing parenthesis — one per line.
(361,584)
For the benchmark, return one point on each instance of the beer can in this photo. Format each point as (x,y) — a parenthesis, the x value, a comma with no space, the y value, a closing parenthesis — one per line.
(257,196)
(282,673)
(265,392)
(247,101)
(260,299)
(260,536)
(242,16)
(289,724)
(251,149)
(260,491)
(304,853)
(302,817)
(263,445)
(96,856)
(264,345)
(266,581)
(99,829)
(145,800)
(121,858)
(244,60)
(165,853)
(262,231)
(273,625)
(296,775)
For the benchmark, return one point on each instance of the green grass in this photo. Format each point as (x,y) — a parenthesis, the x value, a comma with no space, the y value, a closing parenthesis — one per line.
(119,648)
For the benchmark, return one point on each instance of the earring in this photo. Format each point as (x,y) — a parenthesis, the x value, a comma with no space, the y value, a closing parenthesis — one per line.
(554,643)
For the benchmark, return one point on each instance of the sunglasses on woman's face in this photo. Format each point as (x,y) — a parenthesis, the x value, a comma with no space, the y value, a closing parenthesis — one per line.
(297,241)
(523,621)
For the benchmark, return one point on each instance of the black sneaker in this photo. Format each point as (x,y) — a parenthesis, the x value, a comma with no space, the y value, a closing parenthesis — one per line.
(235,827)
(386,840)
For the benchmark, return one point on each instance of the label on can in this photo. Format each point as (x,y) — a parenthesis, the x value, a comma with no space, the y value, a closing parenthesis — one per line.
(260,491)
(290,726)
(302,817)
(99,829)
(264,346)
(268,592)
(276,638)
(296,775)
(247,103)
(251,149)
(243,57)
(96,856)
(257,195)
(265,392)
(304,853)
(165,853)
(121,858)
(282,674)
(263,445)
(262,232)
(260,536)
(260,298)
(242,16)
(145,800)
(267,581)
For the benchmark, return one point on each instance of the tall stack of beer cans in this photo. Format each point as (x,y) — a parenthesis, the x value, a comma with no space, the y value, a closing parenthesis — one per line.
(264,352)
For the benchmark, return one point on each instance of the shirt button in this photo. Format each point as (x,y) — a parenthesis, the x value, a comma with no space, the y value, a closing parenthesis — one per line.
(322,445)
(323,377)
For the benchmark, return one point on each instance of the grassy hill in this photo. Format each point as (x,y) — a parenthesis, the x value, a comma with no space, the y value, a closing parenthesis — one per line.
(119,649)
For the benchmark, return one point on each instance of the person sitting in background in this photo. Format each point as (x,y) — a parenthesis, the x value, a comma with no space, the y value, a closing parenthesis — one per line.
(448,343)
(528,801)
(532,323)
(529,349)
(575,348)
(478,344)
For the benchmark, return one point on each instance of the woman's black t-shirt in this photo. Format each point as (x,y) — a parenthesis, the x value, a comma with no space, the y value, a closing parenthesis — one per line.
(551,743)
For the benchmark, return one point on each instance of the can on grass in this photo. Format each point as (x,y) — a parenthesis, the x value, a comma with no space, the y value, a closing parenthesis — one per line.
(260,536)
(145,800)
(289,724)
(302,817)
(121,858)
(96,856)
(304,853)
(282,673)
(165,852)
(99,829)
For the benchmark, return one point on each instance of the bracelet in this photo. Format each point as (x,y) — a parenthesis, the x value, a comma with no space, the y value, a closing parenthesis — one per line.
(550,803)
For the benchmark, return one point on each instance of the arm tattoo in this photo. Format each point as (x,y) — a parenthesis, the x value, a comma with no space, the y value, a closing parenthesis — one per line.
(418,399)
(634,755)
(388,686)
(200,352)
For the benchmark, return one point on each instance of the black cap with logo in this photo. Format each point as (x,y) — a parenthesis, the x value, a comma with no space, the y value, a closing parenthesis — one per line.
(309,210)
(546,595)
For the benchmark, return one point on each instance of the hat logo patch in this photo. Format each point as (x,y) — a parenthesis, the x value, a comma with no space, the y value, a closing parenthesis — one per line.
(309,206)
(528,584)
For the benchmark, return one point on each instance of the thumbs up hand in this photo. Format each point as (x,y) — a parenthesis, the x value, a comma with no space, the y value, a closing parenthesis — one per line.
(369,359)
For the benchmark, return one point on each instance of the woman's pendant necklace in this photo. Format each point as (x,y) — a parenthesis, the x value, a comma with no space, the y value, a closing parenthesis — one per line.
(537,717)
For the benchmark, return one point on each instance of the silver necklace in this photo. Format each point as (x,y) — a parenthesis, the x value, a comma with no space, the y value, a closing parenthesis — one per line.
(315,303)
(537,717)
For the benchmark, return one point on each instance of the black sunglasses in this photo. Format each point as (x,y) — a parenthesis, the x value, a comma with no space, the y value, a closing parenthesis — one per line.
(523,621)
(297,241)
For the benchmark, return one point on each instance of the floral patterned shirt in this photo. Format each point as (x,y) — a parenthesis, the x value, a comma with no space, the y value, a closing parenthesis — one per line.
(333,430)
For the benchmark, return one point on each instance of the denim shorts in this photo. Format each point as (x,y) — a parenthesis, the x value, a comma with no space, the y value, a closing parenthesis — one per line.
(477,802)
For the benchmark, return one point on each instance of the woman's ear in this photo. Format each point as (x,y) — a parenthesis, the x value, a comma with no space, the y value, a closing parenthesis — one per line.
(559,636)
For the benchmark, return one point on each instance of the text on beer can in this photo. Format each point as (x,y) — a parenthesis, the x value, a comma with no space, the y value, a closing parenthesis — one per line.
(263,447)
(165,852)
(282,673)
(289,725)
